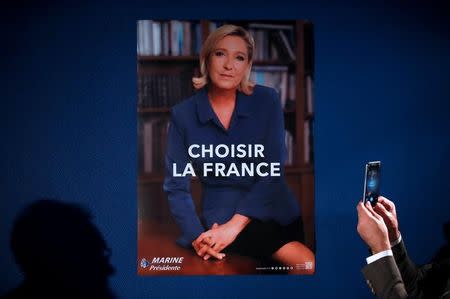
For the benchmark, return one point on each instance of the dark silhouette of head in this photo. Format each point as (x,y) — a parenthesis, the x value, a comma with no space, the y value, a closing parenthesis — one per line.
(61,252)
(446,228)
(444,252)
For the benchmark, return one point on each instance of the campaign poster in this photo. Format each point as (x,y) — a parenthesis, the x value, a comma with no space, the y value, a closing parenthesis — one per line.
(225,142)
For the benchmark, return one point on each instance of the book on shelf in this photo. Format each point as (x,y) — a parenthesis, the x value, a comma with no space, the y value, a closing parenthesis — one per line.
(165,39)
(187,39)
(308,142)
(156,90)
(213,25)
(147,149)
(306,157)
(273,41)
(292,85)
(284,45)
(156,36)
(176,37)
(144,37)
(289,141)
(168,38)
(309,94)
(152,149)
(272,76)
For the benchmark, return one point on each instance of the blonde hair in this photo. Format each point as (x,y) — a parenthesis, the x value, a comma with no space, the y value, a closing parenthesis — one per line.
(246,86)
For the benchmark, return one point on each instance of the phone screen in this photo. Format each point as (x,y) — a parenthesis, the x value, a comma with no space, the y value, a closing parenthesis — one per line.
(372,182)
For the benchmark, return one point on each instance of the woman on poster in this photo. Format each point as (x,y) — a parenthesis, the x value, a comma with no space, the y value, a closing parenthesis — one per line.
(235,126)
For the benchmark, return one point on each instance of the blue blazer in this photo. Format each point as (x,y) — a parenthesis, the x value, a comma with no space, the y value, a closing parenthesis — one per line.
(257,119)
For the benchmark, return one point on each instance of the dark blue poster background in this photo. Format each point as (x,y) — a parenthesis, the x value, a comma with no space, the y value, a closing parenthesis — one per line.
(382,92)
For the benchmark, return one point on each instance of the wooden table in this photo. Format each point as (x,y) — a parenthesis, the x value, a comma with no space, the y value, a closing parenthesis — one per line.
(157,240)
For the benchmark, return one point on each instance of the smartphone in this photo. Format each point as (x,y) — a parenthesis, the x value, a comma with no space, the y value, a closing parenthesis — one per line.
(372,182)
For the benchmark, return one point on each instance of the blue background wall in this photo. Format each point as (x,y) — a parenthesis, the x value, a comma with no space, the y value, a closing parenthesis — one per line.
(68,129)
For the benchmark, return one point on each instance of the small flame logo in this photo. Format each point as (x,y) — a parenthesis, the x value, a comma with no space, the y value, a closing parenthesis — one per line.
(144,263)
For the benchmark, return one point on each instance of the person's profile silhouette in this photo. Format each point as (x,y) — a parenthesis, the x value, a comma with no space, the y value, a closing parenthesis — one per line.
(444,252)
(60,252)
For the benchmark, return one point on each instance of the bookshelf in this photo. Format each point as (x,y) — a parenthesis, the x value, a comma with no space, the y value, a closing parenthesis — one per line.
(284,59)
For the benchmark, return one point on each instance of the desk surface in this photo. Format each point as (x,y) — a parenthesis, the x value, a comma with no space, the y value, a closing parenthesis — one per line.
(156,240)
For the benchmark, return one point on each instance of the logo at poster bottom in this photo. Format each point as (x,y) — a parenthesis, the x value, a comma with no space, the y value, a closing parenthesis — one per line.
(162,263)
